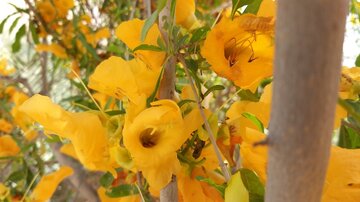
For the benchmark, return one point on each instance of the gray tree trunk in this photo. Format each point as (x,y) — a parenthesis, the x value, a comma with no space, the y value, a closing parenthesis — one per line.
(309,40)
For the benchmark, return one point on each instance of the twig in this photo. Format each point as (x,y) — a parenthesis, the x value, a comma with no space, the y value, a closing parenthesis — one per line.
(147,8)
(21,80)
(207,125)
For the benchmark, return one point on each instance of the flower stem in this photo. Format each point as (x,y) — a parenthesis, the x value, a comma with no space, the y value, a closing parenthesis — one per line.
(207,125)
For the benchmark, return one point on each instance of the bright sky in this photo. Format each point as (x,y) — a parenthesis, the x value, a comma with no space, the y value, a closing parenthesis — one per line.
(351,44)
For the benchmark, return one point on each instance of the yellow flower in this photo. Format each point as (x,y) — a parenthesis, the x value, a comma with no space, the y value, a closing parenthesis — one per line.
(8,146)
(69,150)
(340,112)
(129,32)
(343,176)
(241,50)
(63,6)
(185,14)
(46,10)
(350,82)
(267,8)
(254,158)
(4,70)
(48,184)
(55,49)
(238,123)
(153,139)
(119,78)
(5,126)
(88,137)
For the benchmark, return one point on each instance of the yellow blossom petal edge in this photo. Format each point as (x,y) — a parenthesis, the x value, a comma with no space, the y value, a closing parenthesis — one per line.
(129,32)
(8,146)
(48,184)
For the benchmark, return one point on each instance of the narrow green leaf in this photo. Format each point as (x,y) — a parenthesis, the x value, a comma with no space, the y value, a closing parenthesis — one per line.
(252,182)
(348,138)
(148,47)
(34,34)
(153,95)
(253,7)
(115,112)
(199,34)
(182,102)
(88,46)
(106,180)
(2,24)
(172,9)
(220,188)
(214,88)
(161,4)
(255,120)
(17,44)
(16,176)
(248,95)
(148,23)
(13,25)
(235,6)
(122,190)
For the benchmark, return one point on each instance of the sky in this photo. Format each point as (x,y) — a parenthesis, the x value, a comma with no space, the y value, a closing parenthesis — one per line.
(351,42)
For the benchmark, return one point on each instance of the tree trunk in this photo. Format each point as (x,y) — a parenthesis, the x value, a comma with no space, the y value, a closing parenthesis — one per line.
(309,39)
(167,91)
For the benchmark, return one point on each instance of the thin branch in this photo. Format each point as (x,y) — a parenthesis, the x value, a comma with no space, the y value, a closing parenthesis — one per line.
(147,8)
(21,80)
(207,125)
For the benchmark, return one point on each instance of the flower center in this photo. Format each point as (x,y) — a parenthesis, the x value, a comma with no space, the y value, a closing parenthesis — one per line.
(149,137)
(234,48)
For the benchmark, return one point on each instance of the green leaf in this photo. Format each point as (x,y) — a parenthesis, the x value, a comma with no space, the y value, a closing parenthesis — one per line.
(199,34)
(3,23)
(16,176)
(172,9)
(161,4)
(115,112)
(357,61)
(220,188)
(235,6)
(122,190)
(148,23)
(17,44)
(13,25)
(252,182)
(34,35)
(253,7)
(106,180)
(255,120)
(148,47)
(213,88)
(153,95)
(88,46)
(348,138)
(248,95)
(352,107)
(182,102)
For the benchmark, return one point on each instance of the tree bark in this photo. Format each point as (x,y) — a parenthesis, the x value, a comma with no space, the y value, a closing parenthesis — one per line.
(309,39)
(167,91)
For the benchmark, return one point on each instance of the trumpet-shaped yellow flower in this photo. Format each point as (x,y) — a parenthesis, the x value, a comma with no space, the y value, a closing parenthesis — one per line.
(241,50)
(5,126)
(8,146)
(185,14)
(69,150)
(55,49)
(88,137)
(267,8)
(153,138)
(129,32)
(119,78)
(48,184)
